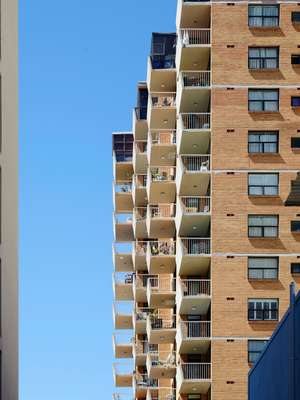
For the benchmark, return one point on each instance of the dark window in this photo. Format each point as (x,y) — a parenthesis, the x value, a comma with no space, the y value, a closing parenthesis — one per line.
(263,58)
(263,267)
(296,17)
(266,16)
(263,226)
(263,142)
(295,226)
(255,347)
(295,268)
(295,101)
(263,309)
(295,143)
(263,100)
(295,59)
(263,184)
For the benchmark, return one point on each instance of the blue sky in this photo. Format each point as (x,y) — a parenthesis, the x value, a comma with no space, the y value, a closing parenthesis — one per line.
(79,64)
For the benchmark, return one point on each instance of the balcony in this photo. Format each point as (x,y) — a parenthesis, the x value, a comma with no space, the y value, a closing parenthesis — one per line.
(139,255)
(161,328)
(193,337)
(123,286)
(122,315)
(193,175)
(122,257)
(193,215)
(161,364)
(140,319)
(193,48)
(161,73)
(122,345)
(193,255)
(140,125)
(142,384)
(140,350)
(161,220)
(193,133)
(193,377)
(123,374)
(161,185)
(123,230)
(139,191)
(161,256)
(162,148)
(122,197)
(122,165)
(190,10)
(161,291)
(193,296)
(139,158)
(139,222)
(193,91)
(162,110)
(167,393)
(140,288)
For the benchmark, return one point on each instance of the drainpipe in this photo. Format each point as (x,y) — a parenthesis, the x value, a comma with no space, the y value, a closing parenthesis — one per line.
(292,394)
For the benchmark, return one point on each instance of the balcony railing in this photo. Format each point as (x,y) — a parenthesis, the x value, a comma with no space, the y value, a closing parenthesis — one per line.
(195,329)
(195,205)
(199,163)
(162,138)
(142,313)
(194,121)
(140,213)
(162,284)
(140,181)
(162,211)
(163,100)
(195,246)
(143,347)
(141,280)
(194,37)
(162,247)
(161,174)
(123,187)
(194,79)
(162,359)
(196,371)
(195,287)
(140,248)
(143,381)
(141,113)
(158,322)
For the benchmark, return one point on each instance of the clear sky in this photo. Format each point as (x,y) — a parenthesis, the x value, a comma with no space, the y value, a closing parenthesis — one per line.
(80,61)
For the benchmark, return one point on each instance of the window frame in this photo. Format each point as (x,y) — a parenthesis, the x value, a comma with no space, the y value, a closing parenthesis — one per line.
(264,227)
(263,144)
(293,142)
(255,352)
(263,269)
(295,56)
(263,101)
(263,310)
(263,60)
(263,186)
(293,265)
(293,223)
(294,20)
(264,17)
(295,105)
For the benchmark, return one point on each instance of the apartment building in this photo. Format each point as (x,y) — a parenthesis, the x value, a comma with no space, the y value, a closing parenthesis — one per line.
(9,200)
(207,201)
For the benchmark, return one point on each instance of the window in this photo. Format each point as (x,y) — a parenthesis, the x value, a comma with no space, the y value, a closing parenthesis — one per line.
(295,226)
(263,100)
(296,17)
(255,347)
(263,184)
(263,16)
(263,309)
(295,59)
(263,142)
(263,268)
(263,226)
(295,143)
(263,58)
(295,101)
(295,268)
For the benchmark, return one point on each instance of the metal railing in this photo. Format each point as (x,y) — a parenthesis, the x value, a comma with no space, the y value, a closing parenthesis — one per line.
(140,213)
(196,78)
(165,284)
(196,371)
(141,313)
(195,246)
(194,37)
(195,121)
(162,247)
(161,174)
(142,380)
(195,205)
(143,347)
(141,280)
(162,211)
(163,358)
(195,329)
(158,322)
(163,138)
(140,248)
(195,287)
(163,99)
(199,163)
